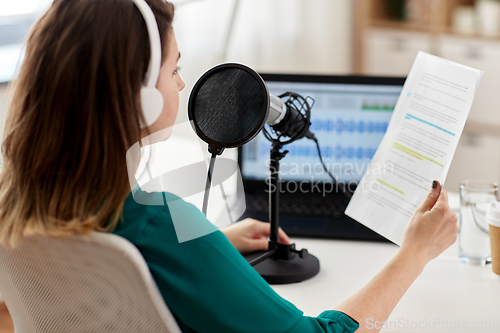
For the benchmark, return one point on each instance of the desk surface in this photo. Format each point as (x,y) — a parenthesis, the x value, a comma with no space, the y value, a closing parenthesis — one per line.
(449,296)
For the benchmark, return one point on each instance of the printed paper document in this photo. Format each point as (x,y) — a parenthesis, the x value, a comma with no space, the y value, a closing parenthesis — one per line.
(418,146)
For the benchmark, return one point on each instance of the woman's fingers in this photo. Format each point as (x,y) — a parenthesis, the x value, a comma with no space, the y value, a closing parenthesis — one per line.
(264,230)
(283,237)
(260,240)
(257,244)
(433,228)
(431,198)
(251,235)
(443,200)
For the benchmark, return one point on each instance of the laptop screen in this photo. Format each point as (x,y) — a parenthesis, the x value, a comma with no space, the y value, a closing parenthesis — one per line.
(349,117)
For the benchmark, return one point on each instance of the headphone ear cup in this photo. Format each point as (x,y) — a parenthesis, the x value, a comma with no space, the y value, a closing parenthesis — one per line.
(152,105)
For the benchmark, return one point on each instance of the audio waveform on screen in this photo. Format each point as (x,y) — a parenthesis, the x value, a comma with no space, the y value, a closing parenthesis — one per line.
(335,152)
(350,126)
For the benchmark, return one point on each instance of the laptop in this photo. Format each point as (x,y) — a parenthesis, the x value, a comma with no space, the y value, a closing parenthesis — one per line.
(349,117)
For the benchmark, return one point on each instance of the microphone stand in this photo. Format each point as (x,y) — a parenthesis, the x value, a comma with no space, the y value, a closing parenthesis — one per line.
(282,263)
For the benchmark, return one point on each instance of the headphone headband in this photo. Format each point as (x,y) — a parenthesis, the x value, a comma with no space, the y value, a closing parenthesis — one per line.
(154,66)
(151,98)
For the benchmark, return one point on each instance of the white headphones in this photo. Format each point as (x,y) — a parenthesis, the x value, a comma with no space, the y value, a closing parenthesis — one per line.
(151,98)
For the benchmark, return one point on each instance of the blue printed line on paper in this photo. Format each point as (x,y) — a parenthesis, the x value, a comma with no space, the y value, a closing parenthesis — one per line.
(409,116)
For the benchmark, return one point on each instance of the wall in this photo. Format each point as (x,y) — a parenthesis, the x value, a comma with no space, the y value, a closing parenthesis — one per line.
(287,36)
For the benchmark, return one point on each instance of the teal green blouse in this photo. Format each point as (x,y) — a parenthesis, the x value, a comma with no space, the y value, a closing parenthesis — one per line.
(206,282)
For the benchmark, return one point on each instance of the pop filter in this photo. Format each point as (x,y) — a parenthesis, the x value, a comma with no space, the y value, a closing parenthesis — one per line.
(228,106)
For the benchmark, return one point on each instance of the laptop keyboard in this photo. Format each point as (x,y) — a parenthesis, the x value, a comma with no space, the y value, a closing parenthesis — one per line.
(311,216)
(299,205)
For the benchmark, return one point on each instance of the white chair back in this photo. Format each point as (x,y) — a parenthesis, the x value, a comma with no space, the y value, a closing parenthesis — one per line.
(98,283)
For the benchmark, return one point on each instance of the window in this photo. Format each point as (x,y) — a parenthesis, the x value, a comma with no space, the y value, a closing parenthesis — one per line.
(16,19)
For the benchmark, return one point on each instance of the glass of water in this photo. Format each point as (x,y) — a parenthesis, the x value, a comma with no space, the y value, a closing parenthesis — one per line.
(473,237)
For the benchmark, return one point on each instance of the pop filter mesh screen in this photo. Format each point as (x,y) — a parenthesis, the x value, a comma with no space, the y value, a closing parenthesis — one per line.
(229,105)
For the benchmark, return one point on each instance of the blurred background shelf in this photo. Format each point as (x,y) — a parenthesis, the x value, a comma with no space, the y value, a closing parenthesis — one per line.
(401,26)
(386,43)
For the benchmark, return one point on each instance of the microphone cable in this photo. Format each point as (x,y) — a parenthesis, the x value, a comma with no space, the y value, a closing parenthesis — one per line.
(208,184)
(343,188)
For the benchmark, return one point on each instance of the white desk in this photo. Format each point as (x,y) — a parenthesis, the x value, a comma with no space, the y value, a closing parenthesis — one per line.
(449,296)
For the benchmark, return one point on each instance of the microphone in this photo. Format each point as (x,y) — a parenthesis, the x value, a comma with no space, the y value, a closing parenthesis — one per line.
(277,110)
(286,120)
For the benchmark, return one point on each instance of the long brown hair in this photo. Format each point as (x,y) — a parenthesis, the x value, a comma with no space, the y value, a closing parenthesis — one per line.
(74,113)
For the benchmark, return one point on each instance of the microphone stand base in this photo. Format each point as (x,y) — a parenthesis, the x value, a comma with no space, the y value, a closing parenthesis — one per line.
(284,271)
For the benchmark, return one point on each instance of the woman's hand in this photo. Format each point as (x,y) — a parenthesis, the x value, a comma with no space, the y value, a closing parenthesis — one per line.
(432,229)
(251,235)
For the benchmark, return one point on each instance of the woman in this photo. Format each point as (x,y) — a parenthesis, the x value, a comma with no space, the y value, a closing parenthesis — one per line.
(76,111)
